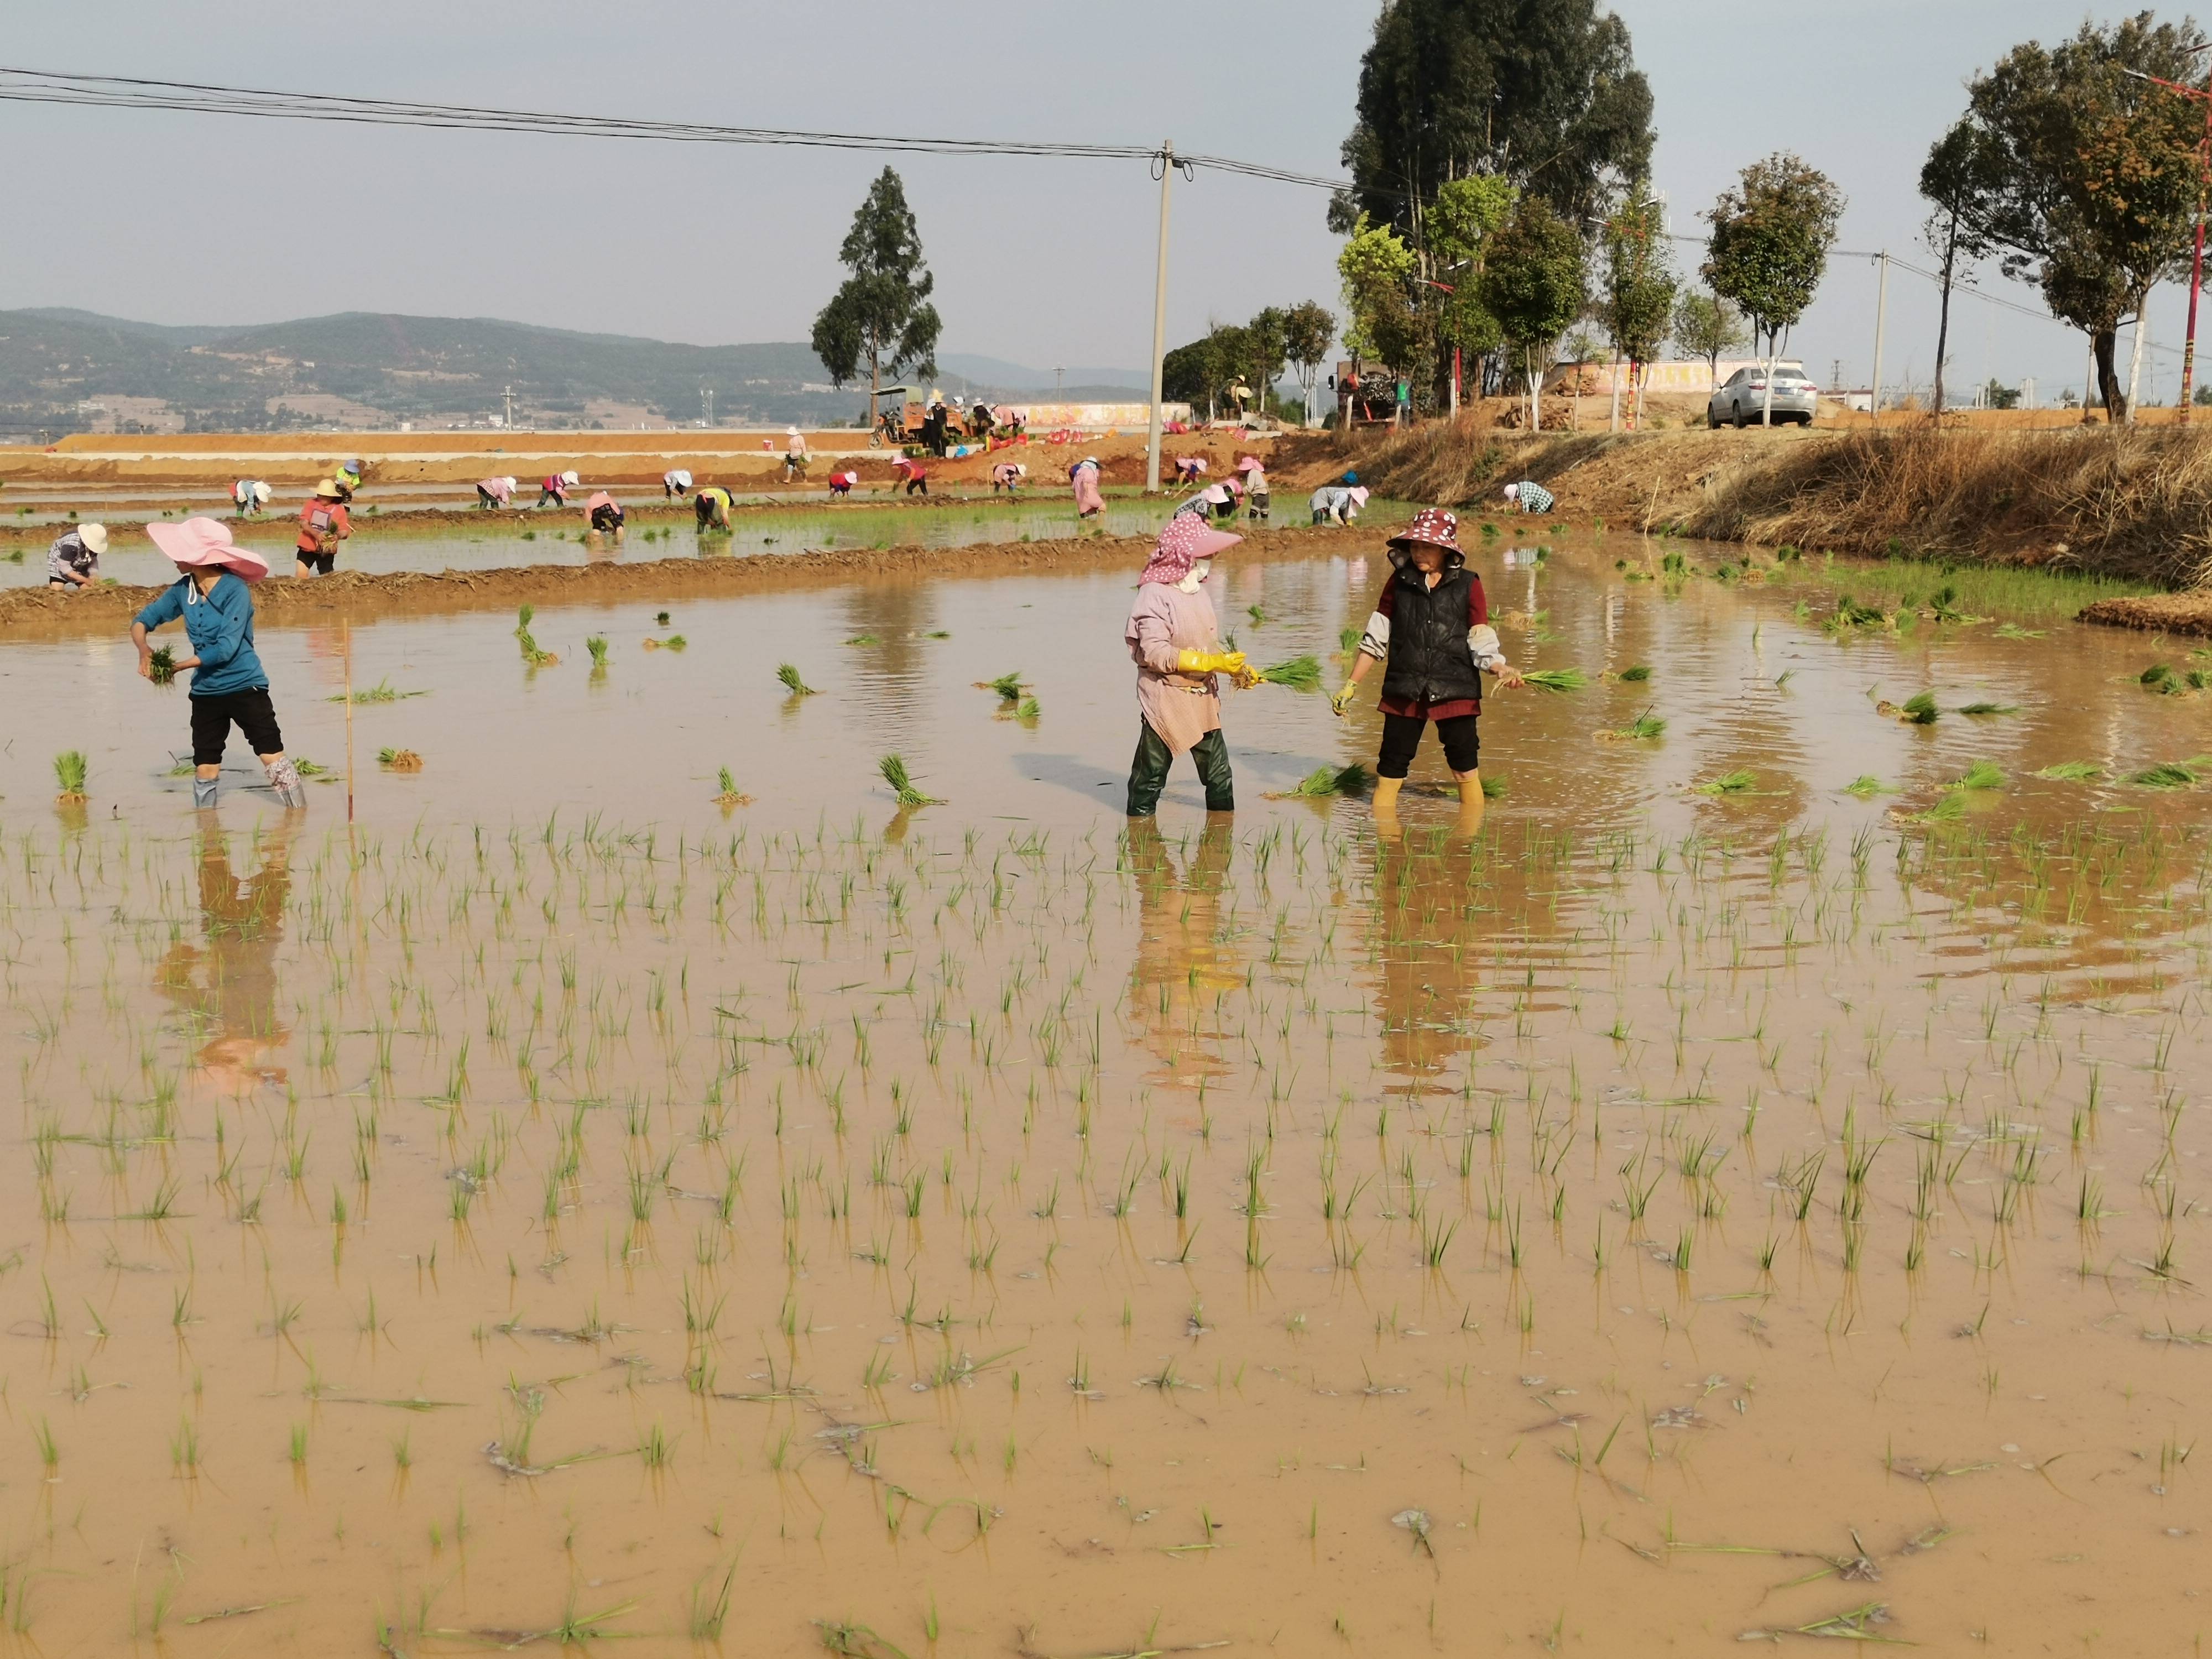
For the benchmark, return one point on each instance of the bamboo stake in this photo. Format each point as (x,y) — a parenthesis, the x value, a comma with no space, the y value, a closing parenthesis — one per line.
(347,627)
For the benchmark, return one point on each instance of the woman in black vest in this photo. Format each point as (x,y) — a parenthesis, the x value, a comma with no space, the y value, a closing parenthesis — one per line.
(1431,632)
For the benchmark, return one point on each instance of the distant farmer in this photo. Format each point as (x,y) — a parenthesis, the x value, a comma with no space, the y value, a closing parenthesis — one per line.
(1218,500)
(73,560)
(1175,637)
(606,518)
(841,484)
(1084,475)
(554,488)
(1338,503)
(495,492)
(711,507)
(323,523)
(915,474)
(1529,496)
(673,484)
(348,477)
(212,599)
(794,453)
(249,496)
(1007,476)
(1189,469)
(1255,485)
(980,420)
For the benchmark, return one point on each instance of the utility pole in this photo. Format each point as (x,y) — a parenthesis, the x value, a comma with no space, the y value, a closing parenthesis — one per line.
(1881,316)
(1167,165)
(507,395)
(1057,387)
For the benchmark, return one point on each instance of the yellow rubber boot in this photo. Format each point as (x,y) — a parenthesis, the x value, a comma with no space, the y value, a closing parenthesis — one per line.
(1386,804)
(1470,805)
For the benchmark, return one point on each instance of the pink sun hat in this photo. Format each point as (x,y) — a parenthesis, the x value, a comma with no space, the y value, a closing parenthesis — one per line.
(200,542)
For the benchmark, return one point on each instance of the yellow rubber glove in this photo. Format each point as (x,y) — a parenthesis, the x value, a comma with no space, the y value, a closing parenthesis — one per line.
(1209,662)
(1342,700)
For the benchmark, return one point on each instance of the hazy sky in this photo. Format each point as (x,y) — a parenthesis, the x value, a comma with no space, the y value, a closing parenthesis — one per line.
(178,218)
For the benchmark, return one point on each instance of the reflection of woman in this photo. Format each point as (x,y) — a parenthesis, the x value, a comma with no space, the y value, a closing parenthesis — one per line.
(1428,931)
(229,982)
(1182,964)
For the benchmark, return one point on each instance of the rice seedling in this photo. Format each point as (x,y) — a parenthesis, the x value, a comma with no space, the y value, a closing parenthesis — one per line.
(161,666)
(1850,613)
(1008,686)
(2160,678)
(674,642)
(660,619)
(1982,774)
(893,769)
(2014,631)
(2072,772)
(1866,786)
(1347,640)
(1493,786)
(730,794)
(70,770)
(2173,774)
(1643,728)
(1557,680)
(1299,673)
(1989,708)
(1741,782)
(1920,709)
(597,645)
(382,691)
(399,760)
(864,639)
(532,656)
(1258,615)
(1326,782)
(788,674)
(1635,673)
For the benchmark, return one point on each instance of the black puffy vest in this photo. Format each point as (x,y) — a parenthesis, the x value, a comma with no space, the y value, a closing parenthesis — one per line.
(1430,660)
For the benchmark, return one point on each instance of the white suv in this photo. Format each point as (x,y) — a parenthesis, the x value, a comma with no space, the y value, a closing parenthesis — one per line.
(1743,395)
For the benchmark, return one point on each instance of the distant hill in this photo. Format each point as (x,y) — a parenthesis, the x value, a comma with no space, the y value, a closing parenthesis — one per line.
(65,370)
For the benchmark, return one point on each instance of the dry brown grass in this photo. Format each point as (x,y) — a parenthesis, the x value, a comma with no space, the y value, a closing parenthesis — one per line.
(2132,502)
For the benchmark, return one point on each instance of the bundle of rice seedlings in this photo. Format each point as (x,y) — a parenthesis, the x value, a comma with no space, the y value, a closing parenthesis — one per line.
(2014,631)
(1325,781)
(307,769)
(1741,782)
(597,645)
(1982,774)
(399,760)
(1850,613)
(674,642)
(1635,673)
(893,767)
(1645,727)
(2072,772)
(1493,788)
(1008,686)
(161,666)
(1299,673)
(1920,709)
(864,639)
(2174,774)
(70,770)
(1866,786)
(1347,640)
(2160,678)
(789,674)
(731,795)
(1557,680)
(1947,807)
(660,617)
(1029,710)
(1990,708)
(532,656)
(1258,615)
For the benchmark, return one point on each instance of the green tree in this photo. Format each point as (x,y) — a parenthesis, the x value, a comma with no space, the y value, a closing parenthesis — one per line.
(1268,334)
(1956,180)
(881,315)
(1771,231)
(1381,325)
(1534,282)
(1705,326)
(1544,93)
(2094,172)
(1638,302)
(1466,214)
(1309,329)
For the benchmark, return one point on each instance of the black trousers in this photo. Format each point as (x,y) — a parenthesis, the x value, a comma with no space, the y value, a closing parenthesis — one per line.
(1401,735)
(1148,772)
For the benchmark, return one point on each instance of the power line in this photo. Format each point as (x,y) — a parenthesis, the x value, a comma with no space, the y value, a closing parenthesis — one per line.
(125,92)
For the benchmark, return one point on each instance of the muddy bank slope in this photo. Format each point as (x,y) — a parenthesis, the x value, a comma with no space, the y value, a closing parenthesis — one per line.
(38,612)
(2125,503)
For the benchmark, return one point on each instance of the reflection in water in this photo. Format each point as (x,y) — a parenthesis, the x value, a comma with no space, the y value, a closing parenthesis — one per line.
(1429,933)
(1183,964)
(228,985)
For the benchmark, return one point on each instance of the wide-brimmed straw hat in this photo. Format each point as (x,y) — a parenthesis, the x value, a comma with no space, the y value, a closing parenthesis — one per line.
(198,543)
(570,479)
(326,487)
(1433,526)
(94,536)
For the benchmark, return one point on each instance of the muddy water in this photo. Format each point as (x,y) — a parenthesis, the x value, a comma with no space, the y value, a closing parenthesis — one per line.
(559,538)
(1655,1219)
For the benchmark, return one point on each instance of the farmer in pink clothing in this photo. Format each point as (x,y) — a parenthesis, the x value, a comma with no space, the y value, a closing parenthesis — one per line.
(1174,639)
(1084,475)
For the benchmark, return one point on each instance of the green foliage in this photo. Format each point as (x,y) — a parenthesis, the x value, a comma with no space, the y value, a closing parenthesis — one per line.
(1705,326)
(1920,709)
(1772,231)
(880,319)
(161,666)
(1557,680)
(1008,686)
(1741,782)
(1532,277)
(70,770)
(2072,772)
(1299,673)
(1459,225)
(789,674)
(1376,272)
(893,768)
(1638,300)
(1326,780)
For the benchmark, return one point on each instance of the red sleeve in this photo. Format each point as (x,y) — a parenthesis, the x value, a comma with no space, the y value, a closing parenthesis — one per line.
(1387,603)
(1478,604)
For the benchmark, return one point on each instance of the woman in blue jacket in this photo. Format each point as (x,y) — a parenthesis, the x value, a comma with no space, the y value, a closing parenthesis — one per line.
(229,687)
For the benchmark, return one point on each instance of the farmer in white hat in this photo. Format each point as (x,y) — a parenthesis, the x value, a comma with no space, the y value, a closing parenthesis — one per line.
(323,523)
(1529,496)
(794,453)
(229,686)
(249,496)
(496,492)
(73,560)
(1007,476)
(554,488)
(673,484)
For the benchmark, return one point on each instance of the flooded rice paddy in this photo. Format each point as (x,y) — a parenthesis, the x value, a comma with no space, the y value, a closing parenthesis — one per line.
(1708,1200)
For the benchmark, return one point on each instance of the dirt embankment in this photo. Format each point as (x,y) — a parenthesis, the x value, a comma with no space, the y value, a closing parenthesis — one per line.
(2132,502)
(38,612)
